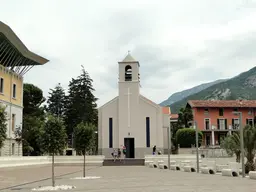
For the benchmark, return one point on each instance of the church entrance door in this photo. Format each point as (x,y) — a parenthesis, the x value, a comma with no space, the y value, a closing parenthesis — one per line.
(130,147)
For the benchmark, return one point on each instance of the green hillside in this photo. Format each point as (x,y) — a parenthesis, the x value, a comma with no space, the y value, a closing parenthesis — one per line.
(242,86)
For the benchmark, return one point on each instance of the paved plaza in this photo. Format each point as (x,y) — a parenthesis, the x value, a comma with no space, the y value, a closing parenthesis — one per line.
(122,179)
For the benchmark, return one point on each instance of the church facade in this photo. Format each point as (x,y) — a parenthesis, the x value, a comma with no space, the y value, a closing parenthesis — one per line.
(131,119)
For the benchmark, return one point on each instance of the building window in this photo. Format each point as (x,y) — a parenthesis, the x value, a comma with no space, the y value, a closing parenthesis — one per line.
(128,73)
(250,112)
(1,85)
(110,132)
(249,122)
(206,124)
(13,148)
(221,111)
(147,131)
(206,111)
(222,124)
(14,91)
(236,109)
(235,123)
(13,121)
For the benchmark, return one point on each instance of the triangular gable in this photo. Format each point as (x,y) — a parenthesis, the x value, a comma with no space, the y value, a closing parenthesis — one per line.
(111,101)
(150,102)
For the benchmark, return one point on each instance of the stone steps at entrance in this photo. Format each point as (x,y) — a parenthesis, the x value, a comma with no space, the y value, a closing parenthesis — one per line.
(124,162)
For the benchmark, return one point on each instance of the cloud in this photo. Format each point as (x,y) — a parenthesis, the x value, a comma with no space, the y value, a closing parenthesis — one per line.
(179,44)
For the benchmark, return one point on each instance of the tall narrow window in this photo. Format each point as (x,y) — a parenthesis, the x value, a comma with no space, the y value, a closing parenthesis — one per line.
(110,132)
(14,91)
(235,123)
(221,111)
(13,122)
(206,124)
(1,85)
(147,131)
(128,73)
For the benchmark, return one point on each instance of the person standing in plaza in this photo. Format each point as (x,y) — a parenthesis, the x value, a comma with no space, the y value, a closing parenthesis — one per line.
(124,151)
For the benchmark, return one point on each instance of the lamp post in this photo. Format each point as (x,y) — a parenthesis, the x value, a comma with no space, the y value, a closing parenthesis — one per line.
(169,133)
(197,152)
(241,140)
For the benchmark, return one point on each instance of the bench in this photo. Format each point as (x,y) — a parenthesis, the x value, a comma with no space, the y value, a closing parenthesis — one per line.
(209,168)
(189,168)
(232,171)
(175,167)
(252,175)
(163,166)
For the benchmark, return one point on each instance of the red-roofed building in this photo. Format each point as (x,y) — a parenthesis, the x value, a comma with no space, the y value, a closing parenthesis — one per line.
(215,118)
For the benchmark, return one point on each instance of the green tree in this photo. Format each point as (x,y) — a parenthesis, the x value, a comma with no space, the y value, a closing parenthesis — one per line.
(53,139)
(18,137)
(83,137)
(231,144)
(250,147)
(33,119)
(3,125)
(81,103)
(33,100)
(185,116)
(31,134)
(187,137)
(57,101)
(174,128)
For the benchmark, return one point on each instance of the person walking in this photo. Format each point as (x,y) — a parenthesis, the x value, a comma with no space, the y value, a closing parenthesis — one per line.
(124,151)
(154,150)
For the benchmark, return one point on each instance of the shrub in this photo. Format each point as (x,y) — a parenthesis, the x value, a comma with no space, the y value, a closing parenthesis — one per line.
(187,137)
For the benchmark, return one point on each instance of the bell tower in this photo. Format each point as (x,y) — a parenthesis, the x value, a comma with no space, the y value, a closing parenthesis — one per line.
(128,100)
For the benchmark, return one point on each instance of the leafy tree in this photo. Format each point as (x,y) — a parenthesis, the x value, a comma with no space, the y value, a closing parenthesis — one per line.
(53,139)
(81,103)
(231,144)
(174,128)
(31,134)
(3,125)
(56,101)
(185,116)
(250,147)
(18,137)
(83,137)
(33,119)
(187,137)
(32,100)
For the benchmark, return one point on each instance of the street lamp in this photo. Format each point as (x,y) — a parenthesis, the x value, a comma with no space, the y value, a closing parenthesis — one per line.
(241,140)
(169,141)
(197,152)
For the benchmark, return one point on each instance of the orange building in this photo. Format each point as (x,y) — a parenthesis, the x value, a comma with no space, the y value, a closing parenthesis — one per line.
(217,118)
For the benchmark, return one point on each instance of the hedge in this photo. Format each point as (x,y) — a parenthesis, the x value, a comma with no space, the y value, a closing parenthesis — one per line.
(187,137)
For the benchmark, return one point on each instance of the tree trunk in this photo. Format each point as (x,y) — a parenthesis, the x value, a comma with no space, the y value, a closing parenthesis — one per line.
(53,179)
(84,166)
(238,157)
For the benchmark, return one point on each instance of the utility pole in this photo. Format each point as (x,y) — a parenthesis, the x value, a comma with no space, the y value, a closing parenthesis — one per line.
(241,140)
(197,152)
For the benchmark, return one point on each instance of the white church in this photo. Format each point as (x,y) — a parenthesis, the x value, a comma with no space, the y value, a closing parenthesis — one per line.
(131,119)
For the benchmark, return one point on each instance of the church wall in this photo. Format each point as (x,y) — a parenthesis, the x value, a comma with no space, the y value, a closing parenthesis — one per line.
(110,110)
(156,134)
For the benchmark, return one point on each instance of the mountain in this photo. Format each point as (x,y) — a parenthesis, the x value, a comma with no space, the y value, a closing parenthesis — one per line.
(242,86)
(183,94)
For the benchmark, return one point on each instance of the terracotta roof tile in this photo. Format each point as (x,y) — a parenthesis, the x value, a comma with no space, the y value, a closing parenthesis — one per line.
(174,116)
(166,110)
(222,103)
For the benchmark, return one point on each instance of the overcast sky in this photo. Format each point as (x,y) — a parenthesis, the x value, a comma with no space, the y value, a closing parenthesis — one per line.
(179,43)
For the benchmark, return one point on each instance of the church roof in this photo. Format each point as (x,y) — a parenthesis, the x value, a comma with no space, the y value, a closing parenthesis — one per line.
(129,58)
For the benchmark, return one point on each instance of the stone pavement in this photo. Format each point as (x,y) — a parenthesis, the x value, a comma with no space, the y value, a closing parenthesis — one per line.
(143,179)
